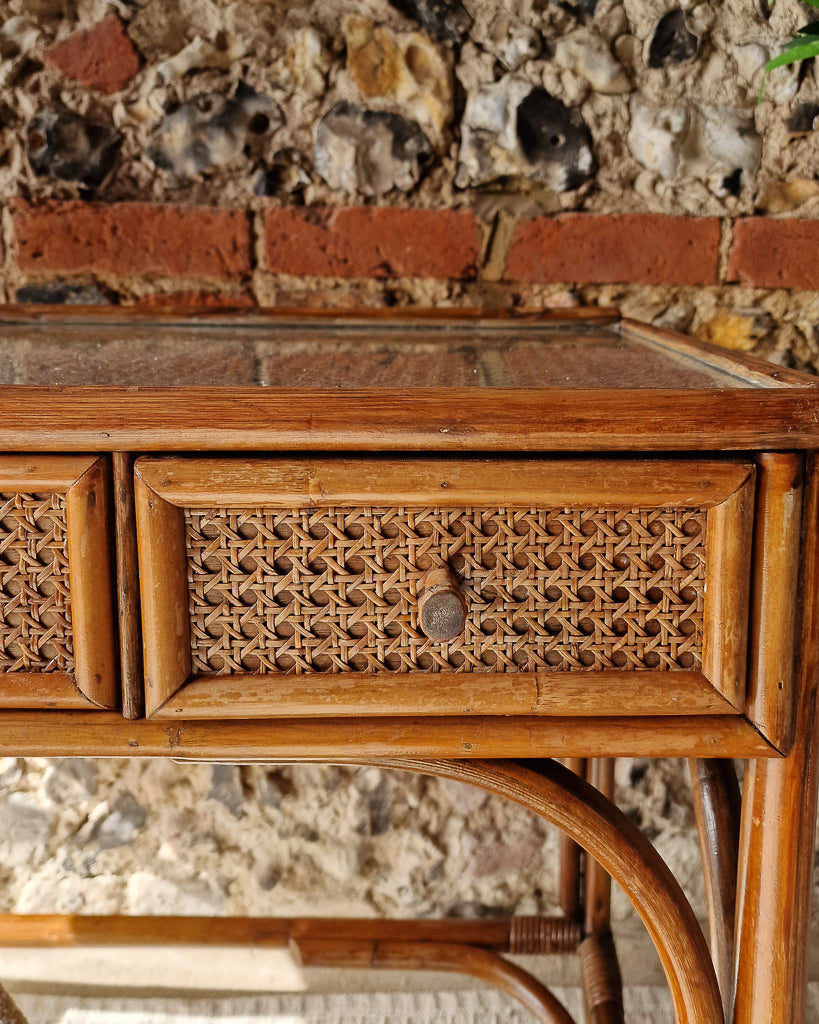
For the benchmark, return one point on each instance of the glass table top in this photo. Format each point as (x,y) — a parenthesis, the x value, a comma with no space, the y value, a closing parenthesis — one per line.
(297,353)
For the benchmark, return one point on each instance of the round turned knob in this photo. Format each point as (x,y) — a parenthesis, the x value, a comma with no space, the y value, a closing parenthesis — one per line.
(441,606)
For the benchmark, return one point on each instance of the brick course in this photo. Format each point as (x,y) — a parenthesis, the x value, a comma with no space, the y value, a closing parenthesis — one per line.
(371,241)
(102,57)
(775,253)
(609,249)
(215,245)
(131,238)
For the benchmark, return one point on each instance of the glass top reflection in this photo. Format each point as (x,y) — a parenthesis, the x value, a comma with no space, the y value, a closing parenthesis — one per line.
(251,352)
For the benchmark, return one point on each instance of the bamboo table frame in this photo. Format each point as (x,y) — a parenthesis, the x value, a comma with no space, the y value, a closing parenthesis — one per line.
(757,848)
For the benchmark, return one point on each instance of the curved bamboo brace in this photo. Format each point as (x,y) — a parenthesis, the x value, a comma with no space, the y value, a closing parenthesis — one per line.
(564,800)
(439,956)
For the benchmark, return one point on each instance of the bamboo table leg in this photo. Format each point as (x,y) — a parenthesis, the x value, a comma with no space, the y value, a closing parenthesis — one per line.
(602,984)
(776,862)
(591,903)
(777,836)
(571,858)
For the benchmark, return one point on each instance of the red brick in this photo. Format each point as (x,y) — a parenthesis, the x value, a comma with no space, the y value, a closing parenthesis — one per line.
(102,57)
(580,248)
(372,242)
(131,238)
(775,253)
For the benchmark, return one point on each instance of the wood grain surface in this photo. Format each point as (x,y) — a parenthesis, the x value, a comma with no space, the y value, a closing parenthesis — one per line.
(163,596)
(57,473)
(90,557)
(445,693)
(103,734)
(517,483)
(728,570)
(45,690)
(772,698)
(53,419)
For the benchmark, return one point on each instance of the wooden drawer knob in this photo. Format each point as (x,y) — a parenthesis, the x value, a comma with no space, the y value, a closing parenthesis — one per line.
(442,606)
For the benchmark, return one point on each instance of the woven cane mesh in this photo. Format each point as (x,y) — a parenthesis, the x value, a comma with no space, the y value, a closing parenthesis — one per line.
(35,602)
(336,589)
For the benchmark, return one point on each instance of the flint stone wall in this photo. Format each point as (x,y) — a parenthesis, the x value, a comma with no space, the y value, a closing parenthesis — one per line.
(299,120)
(152,837)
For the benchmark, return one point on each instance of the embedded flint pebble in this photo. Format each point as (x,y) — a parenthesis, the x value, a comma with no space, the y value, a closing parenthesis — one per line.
(555,140)
(369,151)
(62,144)
(439,18)
(580,9)
(673,41)
(716,145)
(284,174)
(212,131)
(63,293)
(803,119)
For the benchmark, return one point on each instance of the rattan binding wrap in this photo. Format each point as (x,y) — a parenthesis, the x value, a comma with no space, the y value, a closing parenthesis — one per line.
(540,935)
(602,983)
(336,589)
(35,599)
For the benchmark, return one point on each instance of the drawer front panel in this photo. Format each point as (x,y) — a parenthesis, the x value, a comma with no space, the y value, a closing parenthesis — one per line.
(584,587)
(35,590)
(57,631)
(337,589)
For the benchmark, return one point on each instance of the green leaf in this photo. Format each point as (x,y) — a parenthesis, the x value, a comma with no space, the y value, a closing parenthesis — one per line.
(795,51)
(807,31)
(802,51)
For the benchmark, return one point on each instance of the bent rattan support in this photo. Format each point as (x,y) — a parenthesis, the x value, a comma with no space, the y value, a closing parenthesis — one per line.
(548,789)
(437,956)
(468,947)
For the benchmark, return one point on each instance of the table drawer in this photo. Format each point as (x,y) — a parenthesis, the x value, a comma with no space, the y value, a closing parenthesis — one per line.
(355,586)
(56,618)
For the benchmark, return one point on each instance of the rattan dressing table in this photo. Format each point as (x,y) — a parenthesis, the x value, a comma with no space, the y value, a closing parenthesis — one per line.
(458,544)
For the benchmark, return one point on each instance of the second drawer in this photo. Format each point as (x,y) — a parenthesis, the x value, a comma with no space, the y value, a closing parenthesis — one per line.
(363,586)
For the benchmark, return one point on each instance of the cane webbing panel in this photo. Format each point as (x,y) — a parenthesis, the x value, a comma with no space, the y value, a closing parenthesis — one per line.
(35,600)
(334,589)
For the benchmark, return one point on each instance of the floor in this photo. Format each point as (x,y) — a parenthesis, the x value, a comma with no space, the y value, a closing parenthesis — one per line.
(643,1005)
(445,1006)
